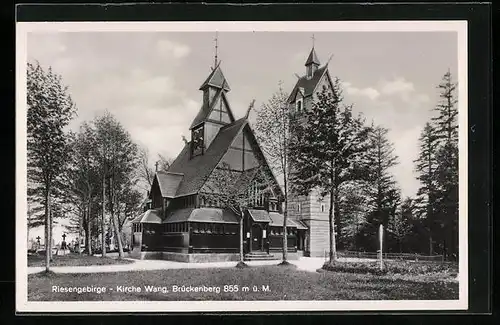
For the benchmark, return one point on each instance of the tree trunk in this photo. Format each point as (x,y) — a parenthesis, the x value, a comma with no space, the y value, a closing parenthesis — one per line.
(117,234)
(51,228)
(285,215)
(28,228)
(80,227)
(89,231)
(333,249)
(103,223)
(430,245)
(115,222)
(47,231)
(241,237)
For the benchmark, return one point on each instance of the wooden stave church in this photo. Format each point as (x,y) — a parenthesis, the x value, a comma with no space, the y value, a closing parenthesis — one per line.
(179,224)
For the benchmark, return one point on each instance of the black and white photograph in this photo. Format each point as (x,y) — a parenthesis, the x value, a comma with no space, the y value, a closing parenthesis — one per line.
(207,166)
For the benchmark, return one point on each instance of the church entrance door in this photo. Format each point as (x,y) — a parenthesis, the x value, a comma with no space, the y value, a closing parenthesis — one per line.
(256,237)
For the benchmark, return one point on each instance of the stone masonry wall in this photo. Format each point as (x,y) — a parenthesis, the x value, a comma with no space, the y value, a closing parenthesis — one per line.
(313,212)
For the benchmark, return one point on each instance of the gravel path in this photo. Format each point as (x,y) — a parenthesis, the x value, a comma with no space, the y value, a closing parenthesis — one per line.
(303,263)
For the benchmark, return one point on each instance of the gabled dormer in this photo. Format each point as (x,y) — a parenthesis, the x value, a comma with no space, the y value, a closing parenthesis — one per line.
(214,113)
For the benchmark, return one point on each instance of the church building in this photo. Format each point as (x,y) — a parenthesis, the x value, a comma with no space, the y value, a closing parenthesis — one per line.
(182,222)
(312,210)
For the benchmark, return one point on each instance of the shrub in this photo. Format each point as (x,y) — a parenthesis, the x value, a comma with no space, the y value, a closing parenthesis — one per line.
(392,267)
(355,267)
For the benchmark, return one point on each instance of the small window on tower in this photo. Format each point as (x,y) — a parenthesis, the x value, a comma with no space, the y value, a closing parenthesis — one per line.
(299,106)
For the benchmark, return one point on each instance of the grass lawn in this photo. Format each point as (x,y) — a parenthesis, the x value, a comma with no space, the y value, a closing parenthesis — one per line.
(284,284)
(73,259)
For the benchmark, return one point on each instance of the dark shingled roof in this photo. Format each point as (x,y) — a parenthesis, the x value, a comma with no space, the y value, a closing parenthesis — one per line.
(259,215)
(308,84)
(169,183)
(150,216)
(180,215)
(313,58)
(277,221)
(198,169)
(212,215)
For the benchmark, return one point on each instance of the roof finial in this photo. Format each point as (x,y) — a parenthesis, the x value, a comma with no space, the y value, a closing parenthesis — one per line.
(313,39)
(216,39)
(156,166)
(249,108)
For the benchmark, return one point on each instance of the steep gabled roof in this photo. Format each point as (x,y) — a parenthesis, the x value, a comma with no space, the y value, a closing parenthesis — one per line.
(309,85)
(197,169)
(168,183)
(313,58)
(258,150)
(216,79)
(206,109)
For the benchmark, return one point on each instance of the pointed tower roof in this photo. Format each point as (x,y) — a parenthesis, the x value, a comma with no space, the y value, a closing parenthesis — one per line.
(216,79)
(313,58)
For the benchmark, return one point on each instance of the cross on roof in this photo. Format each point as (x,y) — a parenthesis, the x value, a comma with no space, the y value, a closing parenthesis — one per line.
(313,39)
(64,236)
(156,166)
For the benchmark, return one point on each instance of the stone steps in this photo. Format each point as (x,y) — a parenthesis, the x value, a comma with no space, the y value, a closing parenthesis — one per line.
(259,256)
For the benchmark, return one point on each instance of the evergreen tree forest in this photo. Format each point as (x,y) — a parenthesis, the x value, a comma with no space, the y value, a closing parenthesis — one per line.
(351,162)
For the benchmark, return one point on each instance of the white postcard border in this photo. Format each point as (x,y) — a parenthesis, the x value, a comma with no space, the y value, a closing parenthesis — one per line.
(22,303)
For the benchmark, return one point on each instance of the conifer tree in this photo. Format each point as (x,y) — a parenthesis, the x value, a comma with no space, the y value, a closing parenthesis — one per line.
(384,193)
(354,206)
(426,166)
(401,222)
(446,126)
(328,150)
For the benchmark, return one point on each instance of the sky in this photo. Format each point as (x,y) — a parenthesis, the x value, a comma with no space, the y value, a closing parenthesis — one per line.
(150,80)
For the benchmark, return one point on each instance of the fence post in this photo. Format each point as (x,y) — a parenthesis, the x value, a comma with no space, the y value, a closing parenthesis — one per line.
(381,237)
